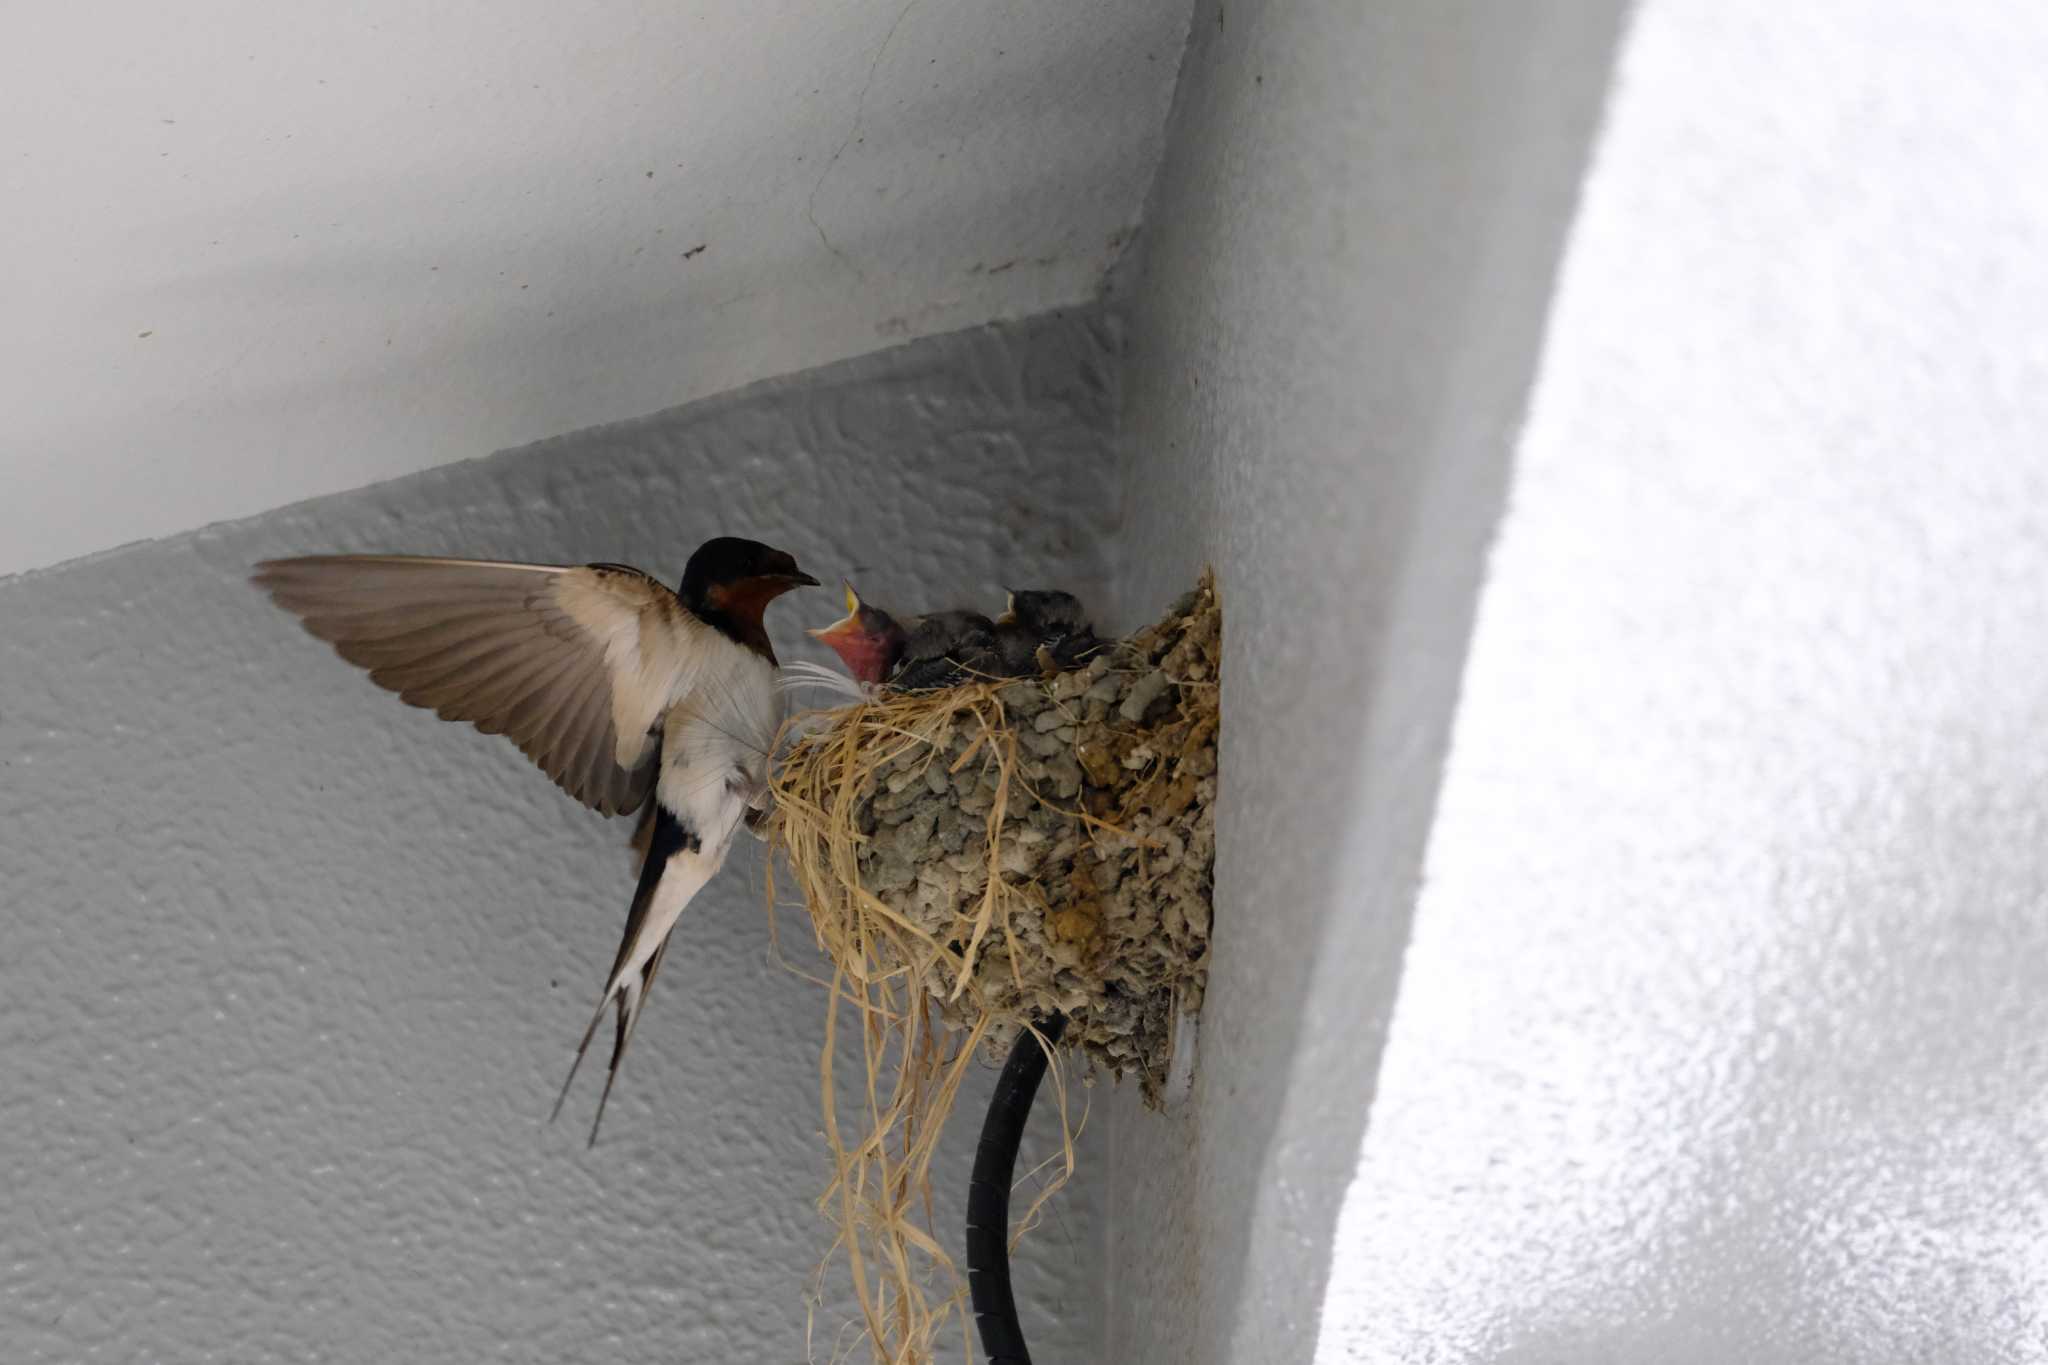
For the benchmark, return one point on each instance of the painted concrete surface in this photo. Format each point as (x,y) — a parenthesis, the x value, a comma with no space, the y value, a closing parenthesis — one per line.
(1722,1034)
(292,971)
(259,252)
(1347,268)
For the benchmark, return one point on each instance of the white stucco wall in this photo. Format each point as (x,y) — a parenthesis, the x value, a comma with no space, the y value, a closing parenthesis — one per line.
(255,252)
(1723,1033)
(1347,263)
(291,971)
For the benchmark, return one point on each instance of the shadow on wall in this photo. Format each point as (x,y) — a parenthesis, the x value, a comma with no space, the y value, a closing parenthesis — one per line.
(1335,325)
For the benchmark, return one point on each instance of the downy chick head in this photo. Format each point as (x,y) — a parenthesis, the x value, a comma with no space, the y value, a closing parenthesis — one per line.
(1046,612)
(868,640)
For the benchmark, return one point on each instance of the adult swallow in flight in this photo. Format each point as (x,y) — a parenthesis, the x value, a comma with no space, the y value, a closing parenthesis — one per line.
(615,686)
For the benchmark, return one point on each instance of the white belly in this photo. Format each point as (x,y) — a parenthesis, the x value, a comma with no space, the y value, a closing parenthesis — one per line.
(716,745)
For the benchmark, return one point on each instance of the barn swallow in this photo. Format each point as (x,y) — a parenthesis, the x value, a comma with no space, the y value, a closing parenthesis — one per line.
(618,688)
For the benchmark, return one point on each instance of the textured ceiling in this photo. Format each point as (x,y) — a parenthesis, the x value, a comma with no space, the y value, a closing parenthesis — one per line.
(257,252)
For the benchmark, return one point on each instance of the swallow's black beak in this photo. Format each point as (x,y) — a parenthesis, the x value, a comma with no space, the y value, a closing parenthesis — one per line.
(799,580)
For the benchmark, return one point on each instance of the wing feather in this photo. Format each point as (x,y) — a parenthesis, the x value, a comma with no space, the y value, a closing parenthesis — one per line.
(555,739)
(576,665)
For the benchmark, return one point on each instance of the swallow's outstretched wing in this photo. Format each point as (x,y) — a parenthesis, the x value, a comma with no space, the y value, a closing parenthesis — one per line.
(577,665)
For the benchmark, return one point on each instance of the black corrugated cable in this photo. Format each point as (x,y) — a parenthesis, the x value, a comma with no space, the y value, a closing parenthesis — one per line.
(988,1194)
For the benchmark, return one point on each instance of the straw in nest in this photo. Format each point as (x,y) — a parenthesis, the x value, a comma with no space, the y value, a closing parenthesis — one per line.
(977,857)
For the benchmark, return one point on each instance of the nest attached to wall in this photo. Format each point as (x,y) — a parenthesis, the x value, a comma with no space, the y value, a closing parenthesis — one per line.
(972,859)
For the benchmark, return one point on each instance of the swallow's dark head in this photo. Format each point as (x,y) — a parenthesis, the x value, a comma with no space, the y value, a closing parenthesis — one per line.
(867,639)
(739,576)
(1046,612)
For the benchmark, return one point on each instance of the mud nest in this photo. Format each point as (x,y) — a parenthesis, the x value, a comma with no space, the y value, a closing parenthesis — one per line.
(974,858)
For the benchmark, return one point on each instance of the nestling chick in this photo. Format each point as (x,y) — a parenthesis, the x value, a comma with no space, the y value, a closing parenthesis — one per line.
(1046,627)
(1049,611)
(946,648)
(938,650)
(868,640)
